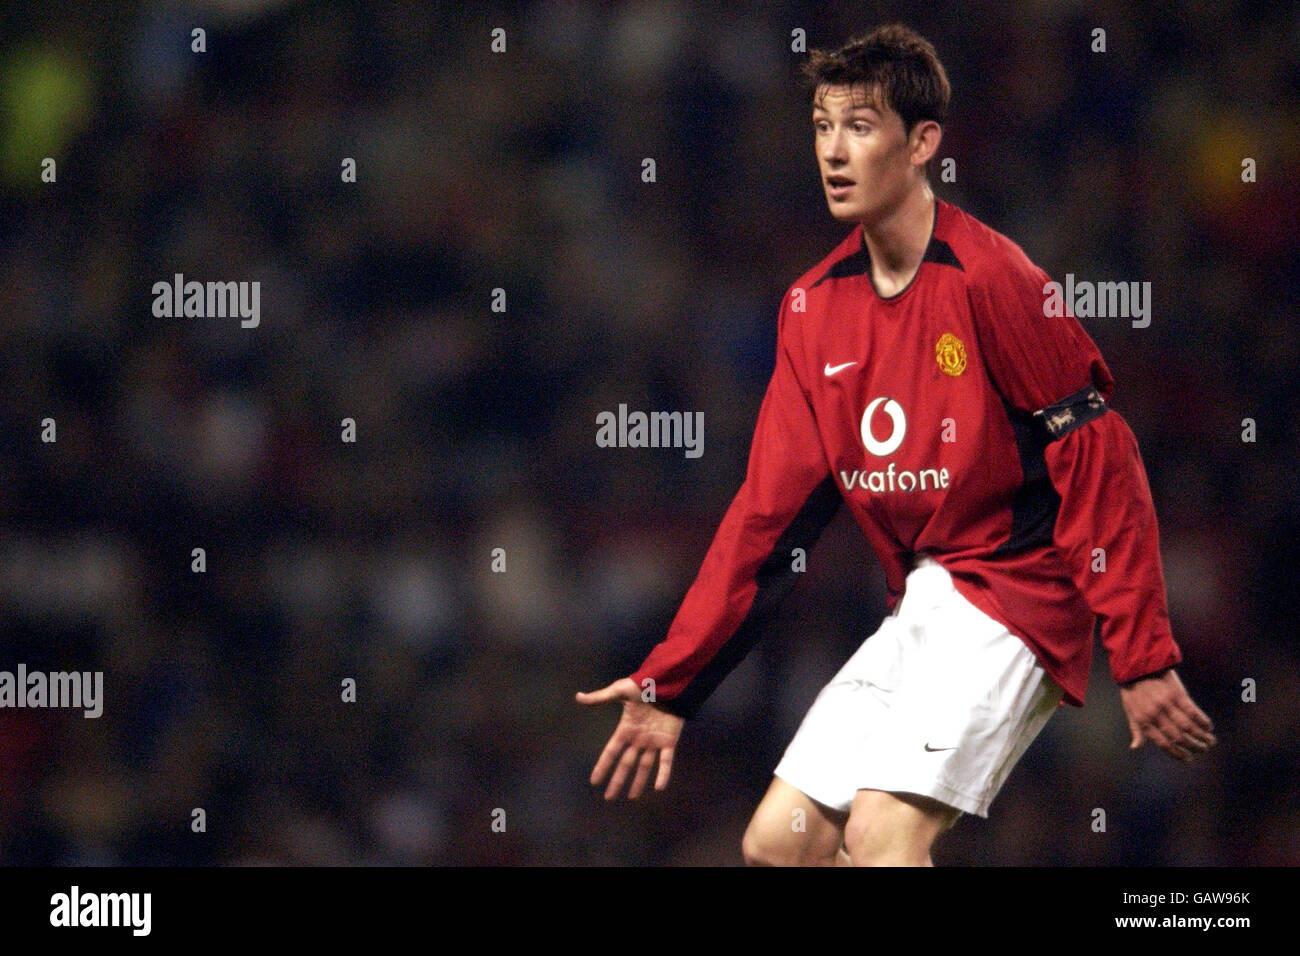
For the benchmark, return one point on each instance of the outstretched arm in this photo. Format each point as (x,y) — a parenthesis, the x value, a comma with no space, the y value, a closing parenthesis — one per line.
(786,500)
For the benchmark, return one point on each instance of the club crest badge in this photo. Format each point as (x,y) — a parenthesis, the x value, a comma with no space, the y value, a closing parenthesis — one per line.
(951,354)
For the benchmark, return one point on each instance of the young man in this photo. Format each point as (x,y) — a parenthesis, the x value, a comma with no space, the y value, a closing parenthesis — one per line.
(919,381)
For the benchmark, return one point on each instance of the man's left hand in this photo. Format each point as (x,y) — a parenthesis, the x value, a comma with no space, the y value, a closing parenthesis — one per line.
(1159,708)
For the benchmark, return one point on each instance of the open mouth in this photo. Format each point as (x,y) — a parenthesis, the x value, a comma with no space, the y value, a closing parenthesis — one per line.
(838,187)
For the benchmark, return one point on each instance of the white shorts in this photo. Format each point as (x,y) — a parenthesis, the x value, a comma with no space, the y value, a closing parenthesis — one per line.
(942,701)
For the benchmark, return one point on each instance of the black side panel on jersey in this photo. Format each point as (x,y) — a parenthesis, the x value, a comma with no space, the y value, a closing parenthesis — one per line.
(1034,507)
(776,578)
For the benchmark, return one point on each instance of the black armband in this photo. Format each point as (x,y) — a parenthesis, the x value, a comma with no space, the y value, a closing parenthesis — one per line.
(1073,411)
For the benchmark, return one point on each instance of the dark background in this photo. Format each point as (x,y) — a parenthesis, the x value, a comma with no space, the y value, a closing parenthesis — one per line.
(476,430)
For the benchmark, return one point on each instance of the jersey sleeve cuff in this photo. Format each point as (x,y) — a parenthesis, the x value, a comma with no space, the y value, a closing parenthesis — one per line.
(1146,669)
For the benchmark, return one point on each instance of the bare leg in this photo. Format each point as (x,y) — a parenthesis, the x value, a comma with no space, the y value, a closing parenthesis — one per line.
(894,829)
(789,828)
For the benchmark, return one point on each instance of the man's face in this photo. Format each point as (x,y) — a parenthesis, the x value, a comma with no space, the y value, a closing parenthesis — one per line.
(862,152)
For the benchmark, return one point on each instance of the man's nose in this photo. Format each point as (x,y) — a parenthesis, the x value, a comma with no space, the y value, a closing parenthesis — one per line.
(833,148)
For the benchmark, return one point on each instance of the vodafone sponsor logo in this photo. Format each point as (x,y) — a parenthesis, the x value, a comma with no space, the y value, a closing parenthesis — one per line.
(890,478)
(897,421)
(927,479)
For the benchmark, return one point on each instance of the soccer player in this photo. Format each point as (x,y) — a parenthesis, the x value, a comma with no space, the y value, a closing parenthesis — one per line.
(919,381)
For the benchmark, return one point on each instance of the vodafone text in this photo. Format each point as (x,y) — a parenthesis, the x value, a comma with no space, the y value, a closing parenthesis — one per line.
(890,480)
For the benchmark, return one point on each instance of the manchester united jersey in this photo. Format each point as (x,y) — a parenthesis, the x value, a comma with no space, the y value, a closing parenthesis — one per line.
(953,419)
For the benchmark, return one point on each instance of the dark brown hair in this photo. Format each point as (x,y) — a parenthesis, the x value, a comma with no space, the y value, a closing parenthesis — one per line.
(893,62)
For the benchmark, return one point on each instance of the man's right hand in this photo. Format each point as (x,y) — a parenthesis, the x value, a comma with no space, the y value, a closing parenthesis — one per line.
(643,731)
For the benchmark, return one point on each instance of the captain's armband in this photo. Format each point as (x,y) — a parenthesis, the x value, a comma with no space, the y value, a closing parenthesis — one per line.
(1073,411)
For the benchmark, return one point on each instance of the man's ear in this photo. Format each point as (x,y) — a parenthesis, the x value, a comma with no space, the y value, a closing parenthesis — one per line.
(924,141)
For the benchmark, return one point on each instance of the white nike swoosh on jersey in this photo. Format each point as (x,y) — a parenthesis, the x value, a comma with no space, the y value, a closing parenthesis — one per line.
(832,369)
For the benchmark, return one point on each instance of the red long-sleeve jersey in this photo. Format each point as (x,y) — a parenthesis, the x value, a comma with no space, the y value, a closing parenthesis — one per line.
(954,419)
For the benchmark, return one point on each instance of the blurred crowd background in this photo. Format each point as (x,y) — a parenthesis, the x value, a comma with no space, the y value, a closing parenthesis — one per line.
(520,170)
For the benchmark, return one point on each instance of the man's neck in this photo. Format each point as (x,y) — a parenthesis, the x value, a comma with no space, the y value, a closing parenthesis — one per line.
(897,242)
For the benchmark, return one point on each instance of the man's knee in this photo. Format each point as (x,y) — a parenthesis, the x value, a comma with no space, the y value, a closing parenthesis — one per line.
(767,846)
(880,842)
(886,829)
(759,850)
(782,834)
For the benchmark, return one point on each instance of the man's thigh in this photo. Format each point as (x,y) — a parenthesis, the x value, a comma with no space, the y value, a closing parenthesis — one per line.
(790,828)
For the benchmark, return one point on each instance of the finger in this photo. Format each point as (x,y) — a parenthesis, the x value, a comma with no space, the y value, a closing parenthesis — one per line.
(602,696)
(1202,719)
(607,758)
(1191,731)
(1193,734)
(1167,738)
(1161,734)
(643,768)
(620,773)
(1187,707)
(1196,724)
(1203,741)
(664,768)
(1136,734)
(1189,734)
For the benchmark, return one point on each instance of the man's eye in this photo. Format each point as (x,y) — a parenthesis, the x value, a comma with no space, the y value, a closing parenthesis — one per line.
(861,127)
